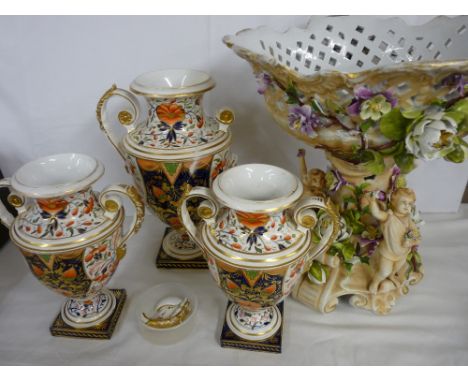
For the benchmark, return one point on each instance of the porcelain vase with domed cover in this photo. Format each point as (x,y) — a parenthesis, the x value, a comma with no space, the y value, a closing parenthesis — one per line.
(377,95)
(174,148)
(71,236)
(257,236)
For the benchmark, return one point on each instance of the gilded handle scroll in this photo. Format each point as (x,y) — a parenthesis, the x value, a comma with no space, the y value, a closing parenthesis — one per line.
(207,210)
(125,117)
(112,205)
(15,200)
(225,117)
(316,213)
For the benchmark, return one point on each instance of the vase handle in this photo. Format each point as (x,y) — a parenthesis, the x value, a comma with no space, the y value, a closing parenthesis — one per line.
(112,205)
(14,199)
(125,117)
(306,216)
(225,117)
(207,210)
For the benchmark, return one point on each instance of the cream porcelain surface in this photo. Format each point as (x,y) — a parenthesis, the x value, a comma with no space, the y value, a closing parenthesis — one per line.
(57,175)
(172,82)
(354,43)
(257,188)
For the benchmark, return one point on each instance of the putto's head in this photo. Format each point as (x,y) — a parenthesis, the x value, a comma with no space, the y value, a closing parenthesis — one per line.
(402,200)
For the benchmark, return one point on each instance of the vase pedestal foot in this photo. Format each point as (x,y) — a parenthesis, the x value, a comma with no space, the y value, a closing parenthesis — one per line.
(232,337)
(169,256)
(106,323)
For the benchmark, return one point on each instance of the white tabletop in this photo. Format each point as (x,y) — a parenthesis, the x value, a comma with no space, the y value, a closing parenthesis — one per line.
(429,326)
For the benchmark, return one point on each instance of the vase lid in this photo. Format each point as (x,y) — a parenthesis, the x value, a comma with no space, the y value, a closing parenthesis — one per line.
(256,229)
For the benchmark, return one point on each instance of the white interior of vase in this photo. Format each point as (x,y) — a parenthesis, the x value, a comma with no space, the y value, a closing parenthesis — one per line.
(357,43)
(257,187)
(168,81)
(57,174)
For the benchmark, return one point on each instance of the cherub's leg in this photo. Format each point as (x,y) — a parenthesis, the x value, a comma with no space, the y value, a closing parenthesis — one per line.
(399,266)
(385,269)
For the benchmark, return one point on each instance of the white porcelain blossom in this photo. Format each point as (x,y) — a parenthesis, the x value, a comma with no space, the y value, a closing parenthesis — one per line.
(432,137)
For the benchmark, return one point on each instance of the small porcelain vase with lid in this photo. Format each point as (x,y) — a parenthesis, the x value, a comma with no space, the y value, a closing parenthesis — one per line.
(70,236)
(256,233)
(175,148)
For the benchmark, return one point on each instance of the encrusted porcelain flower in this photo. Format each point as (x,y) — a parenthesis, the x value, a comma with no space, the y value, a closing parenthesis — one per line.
(375,108)
(370,105)
(432,137)
(303,118)
(264,80)
(334,180)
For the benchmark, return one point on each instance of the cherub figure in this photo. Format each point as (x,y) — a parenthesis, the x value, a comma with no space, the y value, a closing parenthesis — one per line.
(400,234)
(314,179)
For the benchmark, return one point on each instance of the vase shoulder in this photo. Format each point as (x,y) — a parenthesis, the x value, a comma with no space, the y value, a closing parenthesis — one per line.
(256,233)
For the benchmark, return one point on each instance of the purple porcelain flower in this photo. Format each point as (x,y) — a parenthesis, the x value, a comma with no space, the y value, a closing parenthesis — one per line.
(393,179)
(381,196)
(458,81)
(304,118)
(370,244)
(263,80)
(369,104)
(335,180)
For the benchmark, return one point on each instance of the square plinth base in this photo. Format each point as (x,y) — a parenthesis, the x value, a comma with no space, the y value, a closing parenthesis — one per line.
(270,345)
(103,331)
(163,260)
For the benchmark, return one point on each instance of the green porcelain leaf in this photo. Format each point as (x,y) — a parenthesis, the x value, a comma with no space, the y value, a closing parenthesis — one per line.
(364,259)
(293,97)
(373,161)
(456,156)
(457,116)
(366,125)
(393,125)
(405,162)
(411,114)
(316,270)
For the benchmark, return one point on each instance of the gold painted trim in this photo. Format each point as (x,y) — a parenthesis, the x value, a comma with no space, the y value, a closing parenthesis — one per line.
(172,96)
(48,248)
(213,236)
(271,210)
(224,138)
(259,334)
(67,192)
(100,105)
(137,200)
(187,156)
(15,200)
(304,249)
(171,322)
(125,117)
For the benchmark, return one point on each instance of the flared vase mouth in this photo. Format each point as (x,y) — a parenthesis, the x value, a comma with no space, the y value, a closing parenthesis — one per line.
(257,188)
(172,83)
(57,175)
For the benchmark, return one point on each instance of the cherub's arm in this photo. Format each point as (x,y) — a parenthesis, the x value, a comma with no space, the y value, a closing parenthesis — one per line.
(416,236)
(376,211)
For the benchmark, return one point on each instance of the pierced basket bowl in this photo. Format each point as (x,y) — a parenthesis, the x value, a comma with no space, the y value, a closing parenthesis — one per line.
(314,79)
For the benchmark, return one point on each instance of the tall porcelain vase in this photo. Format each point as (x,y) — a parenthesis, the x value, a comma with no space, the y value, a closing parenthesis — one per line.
(71,236)
(176,147)
(257,236)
